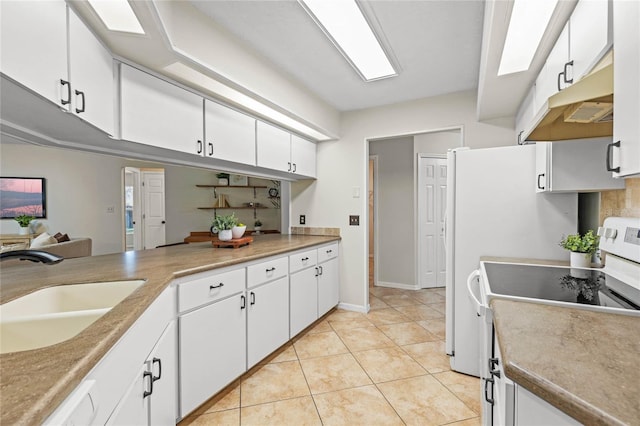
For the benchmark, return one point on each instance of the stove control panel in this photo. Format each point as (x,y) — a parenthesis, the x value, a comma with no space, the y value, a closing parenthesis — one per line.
(632,236)
(621,236)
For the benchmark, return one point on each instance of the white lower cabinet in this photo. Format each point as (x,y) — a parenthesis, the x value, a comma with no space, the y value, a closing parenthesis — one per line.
(304,299)
(328,286)
(267,319)
(531,410)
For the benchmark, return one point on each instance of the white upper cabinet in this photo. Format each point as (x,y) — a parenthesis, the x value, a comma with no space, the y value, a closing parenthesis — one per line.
(550,80)
(154,112)
(303,156)
(274,147)
(229,135)
(626,90)
(589,36)
(34,46)
(91,75)
(282,151)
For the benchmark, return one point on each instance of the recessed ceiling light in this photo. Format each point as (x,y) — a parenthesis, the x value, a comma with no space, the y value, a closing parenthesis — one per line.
(345,25)
(529,20)
(117,15)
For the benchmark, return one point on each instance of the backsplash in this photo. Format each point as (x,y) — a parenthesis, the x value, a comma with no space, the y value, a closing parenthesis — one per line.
(303,230)
(621,202)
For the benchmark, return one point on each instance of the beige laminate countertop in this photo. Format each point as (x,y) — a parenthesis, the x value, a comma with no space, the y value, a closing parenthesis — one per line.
(33,383)
(585,363)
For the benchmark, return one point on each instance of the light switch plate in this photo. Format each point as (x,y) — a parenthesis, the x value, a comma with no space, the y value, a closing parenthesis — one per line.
(354,220)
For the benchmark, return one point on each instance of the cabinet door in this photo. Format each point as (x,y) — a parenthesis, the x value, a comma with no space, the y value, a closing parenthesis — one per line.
(268,319)
(212,350)
(273,147)
(91,73)
(589,26)
(162,364)
(542,166)
(526,114)
(304,299)
(532,410)
(303,156)
(133,407)
(328,286)
(547,81)
(229,135)
(34,46)
(154,112)
(626,87)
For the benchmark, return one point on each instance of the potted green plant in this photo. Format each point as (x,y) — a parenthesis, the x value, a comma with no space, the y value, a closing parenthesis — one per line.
(24,221)
(582,248)
(223,224)
(257,226)
(223,178)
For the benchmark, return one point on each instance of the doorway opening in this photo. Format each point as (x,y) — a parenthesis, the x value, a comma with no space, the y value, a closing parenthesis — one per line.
(143,208)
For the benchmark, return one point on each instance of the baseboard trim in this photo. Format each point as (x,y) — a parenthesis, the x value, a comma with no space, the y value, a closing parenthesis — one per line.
(353,308)
(397,285)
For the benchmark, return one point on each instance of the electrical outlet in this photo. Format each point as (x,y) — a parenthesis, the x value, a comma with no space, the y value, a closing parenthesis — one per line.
(303,219)
(111,209)
(354,220)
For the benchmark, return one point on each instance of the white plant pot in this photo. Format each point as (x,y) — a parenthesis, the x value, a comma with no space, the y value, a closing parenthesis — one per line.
(24,231)
(225,235)
(580,260)
(238,231)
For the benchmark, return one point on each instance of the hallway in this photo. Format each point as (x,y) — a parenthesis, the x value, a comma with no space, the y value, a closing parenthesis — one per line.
(387,367)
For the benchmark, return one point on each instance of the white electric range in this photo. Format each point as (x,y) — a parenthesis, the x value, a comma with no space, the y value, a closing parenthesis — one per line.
(615,288)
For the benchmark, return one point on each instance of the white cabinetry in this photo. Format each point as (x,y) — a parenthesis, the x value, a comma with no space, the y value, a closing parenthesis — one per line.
(303,290)
(212,327)
(157,113)
(531,410)
(267,316)
(91,73)
(279,150)
(551,80)
(229,135)
(34,46)
(574,166)
(48,49)
(328,278)
(626,89)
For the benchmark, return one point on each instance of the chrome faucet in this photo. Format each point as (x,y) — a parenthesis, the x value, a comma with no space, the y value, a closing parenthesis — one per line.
(33,256)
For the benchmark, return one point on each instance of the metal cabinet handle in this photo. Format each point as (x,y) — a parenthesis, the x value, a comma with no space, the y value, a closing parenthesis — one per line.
(211,287)
(560,74)
(486,396)
(244,302)
(66,83)
(81,94)
(253,298)
(270,269)
(304,259)
(199,150)
(566,71)
(289,163)
(159,376)
(210,148)
(610,147)
(150,391)
(163,222)
(317,271)
(321,270)
(540,176)
(329,251)
(295,167)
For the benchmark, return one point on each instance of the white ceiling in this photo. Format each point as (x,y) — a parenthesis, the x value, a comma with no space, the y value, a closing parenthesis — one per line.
(435,44)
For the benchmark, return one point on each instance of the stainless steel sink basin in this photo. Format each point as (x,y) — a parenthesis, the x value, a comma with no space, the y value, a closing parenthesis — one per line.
(55,314)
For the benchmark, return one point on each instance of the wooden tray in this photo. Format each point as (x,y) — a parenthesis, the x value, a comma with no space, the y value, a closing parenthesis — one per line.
(234,243)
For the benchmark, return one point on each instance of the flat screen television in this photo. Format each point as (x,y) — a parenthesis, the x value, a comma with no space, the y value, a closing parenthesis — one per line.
(22,196)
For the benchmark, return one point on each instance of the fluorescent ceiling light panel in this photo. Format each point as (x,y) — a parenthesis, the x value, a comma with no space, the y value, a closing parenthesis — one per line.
(529,20)
(345,25)
(178,69)
(117,15)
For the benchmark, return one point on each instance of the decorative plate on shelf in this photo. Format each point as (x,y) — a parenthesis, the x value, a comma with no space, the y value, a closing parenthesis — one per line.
(238,180)
(273,192)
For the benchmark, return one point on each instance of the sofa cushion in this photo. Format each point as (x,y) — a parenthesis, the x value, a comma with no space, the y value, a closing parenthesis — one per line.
(43,239)
(61,238)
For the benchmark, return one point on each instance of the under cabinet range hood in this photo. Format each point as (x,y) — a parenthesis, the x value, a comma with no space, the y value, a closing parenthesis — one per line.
(582,110)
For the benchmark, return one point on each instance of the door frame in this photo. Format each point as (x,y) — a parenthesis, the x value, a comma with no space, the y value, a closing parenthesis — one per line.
(418,224)
(138,233)
(376,232)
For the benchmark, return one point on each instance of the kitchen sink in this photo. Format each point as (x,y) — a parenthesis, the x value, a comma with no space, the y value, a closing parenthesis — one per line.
(55,314)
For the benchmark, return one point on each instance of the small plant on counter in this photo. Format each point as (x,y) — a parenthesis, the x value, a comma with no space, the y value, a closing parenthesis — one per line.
(24,220)
(257,223)
(224,222)
(588,243)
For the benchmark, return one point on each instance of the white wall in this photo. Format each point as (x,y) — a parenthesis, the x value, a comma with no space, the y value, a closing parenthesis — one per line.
(436,142)
(342,166)
(80,187)
(396,254)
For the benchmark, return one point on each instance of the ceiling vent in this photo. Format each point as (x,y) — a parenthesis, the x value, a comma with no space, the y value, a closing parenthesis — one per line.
(589,112)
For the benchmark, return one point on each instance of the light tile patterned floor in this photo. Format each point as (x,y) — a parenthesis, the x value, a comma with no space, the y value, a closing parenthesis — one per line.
(387,367)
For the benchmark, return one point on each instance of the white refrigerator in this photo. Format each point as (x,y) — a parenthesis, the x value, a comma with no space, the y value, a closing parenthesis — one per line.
(494,210)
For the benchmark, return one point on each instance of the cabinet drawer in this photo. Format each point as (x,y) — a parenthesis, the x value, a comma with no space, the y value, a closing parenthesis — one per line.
(327,252)
(208,288)
(302,260)
(267,271)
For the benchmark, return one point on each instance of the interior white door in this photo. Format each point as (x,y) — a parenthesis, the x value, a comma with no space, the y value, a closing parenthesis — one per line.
(432,194)
(153,216)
